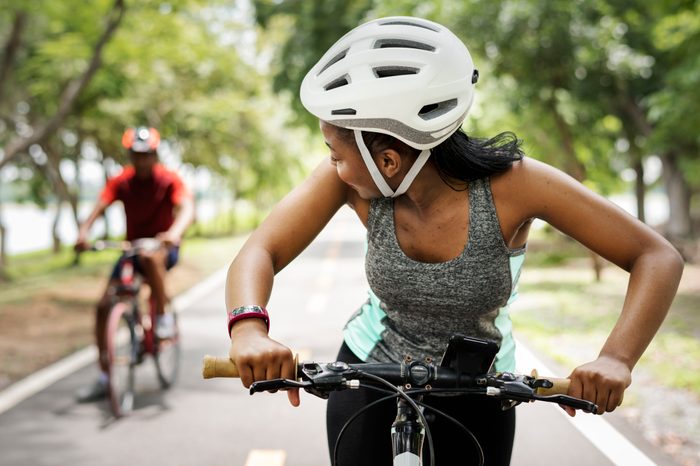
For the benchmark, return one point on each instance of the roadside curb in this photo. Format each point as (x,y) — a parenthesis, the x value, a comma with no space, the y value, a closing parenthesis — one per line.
(38,381)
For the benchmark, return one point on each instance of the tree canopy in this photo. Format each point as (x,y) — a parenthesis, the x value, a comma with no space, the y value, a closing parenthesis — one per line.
(596,88)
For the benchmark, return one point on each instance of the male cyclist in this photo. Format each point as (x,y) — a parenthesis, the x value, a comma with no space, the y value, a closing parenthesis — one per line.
(157,204)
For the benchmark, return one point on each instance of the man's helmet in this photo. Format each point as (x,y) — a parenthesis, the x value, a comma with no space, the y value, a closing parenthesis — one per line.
(141,139)
(407,77)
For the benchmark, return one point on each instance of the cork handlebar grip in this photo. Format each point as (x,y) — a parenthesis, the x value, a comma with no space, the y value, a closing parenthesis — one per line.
(560,387)
(213,367)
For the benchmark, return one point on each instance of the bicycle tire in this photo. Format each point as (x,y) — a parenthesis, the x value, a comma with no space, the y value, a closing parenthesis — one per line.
(122,350)
(167,357)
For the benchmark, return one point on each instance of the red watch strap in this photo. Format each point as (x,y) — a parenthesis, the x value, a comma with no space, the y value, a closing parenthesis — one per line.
(247,312)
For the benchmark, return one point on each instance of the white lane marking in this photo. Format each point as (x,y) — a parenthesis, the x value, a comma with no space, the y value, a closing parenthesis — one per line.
(188,298)
(36,382)
(597,430)
(266,458)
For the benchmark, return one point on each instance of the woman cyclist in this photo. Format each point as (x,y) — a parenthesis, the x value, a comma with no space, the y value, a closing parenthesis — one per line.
(447,218)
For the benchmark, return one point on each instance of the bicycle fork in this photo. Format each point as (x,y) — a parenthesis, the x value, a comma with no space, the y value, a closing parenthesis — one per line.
(407,434)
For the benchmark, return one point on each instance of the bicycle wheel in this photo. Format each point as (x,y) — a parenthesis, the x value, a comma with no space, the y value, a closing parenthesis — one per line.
(122,348)
(167,357)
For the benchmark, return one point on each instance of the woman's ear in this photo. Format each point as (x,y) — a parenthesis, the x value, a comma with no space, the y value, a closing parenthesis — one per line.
(389,162)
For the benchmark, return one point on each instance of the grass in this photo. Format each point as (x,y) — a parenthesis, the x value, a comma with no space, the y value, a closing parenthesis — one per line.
(41,269)
(565,313)
(47,308)
(42,263)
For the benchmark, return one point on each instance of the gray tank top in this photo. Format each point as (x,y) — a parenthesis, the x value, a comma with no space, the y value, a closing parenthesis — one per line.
(414,307)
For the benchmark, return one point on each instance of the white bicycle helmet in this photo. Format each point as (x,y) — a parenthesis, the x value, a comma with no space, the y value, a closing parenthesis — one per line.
(407,77)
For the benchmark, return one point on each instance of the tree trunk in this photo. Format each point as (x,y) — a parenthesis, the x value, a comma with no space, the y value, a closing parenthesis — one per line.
(41,131)
(54,229)
(3,245)
(679,226)
(572,165)
(640,189)
(597,264)
(59,184)
(232,212)
(574,168)
(105,219)
(10,49)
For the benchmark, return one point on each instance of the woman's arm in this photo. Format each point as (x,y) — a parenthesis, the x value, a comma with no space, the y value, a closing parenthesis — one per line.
(655,269)
(289,228)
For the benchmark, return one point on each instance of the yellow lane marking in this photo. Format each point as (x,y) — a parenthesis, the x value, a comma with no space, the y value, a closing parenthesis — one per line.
(266,458)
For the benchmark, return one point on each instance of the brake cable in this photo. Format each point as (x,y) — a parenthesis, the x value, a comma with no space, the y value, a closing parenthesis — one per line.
(411,402)
(392,395)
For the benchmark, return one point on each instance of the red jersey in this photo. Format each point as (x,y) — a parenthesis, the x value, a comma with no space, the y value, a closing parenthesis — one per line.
(148,204)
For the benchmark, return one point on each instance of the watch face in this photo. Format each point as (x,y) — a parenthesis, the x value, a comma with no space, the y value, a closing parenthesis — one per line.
(246,309)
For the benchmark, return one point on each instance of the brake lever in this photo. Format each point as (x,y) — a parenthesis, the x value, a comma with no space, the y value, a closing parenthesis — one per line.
(276,384)
(583,405)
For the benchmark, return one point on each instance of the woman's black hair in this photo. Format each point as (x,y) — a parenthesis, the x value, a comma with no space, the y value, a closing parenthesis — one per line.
(463,158)
(459,158)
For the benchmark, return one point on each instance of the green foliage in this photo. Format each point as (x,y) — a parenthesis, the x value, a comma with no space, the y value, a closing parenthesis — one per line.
(37,265)
(674,108)
(584,83)
(178,66)
(568,316)
(309,34)
(591,86)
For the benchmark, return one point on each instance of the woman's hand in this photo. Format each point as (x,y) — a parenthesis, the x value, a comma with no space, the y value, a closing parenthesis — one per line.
(258,357)
(602,382)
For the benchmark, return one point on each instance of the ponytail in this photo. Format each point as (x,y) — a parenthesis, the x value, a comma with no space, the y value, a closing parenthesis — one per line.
(463,158)
(458,158)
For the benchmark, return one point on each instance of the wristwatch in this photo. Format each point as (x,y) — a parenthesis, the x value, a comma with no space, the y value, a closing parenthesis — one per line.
(246,312)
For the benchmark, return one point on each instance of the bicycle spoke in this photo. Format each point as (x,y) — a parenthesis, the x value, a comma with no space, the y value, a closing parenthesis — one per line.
(167,358)
(121,343)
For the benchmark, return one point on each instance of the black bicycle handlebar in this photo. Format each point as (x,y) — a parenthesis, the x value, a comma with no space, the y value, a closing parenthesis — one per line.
(322,378)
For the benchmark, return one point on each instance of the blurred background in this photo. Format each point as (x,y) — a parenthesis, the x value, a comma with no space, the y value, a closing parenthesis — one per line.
(606,90)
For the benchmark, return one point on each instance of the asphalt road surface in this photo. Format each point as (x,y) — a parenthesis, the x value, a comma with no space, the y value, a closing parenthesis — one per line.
(216,422)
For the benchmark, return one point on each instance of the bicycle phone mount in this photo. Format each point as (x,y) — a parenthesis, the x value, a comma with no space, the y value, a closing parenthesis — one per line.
(468,355)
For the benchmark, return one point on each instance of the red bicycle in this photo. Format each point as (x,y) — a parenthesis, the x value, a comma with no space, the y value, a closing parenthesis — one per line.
(130,334)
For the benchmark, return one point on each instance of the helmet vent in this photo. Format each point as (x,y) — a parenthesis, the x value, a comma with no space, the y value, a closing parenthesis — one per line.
(408,23)
(428,112)
(340,82)
(389,71)
(403,44)
(344,111)
(333,61)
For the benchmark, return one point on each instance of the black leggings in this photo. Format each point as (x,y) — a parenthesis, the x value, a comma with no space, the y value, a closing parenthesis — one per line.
(367,441)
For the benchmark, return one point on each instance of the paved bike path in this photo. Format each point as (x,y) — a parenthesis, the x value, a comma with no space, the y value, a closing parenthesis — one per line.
(215,422)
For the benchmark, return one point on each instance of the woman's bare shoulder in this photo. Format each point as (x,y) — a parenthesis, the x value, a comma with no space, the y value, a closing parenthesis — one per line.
(522,172)
(529,182)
